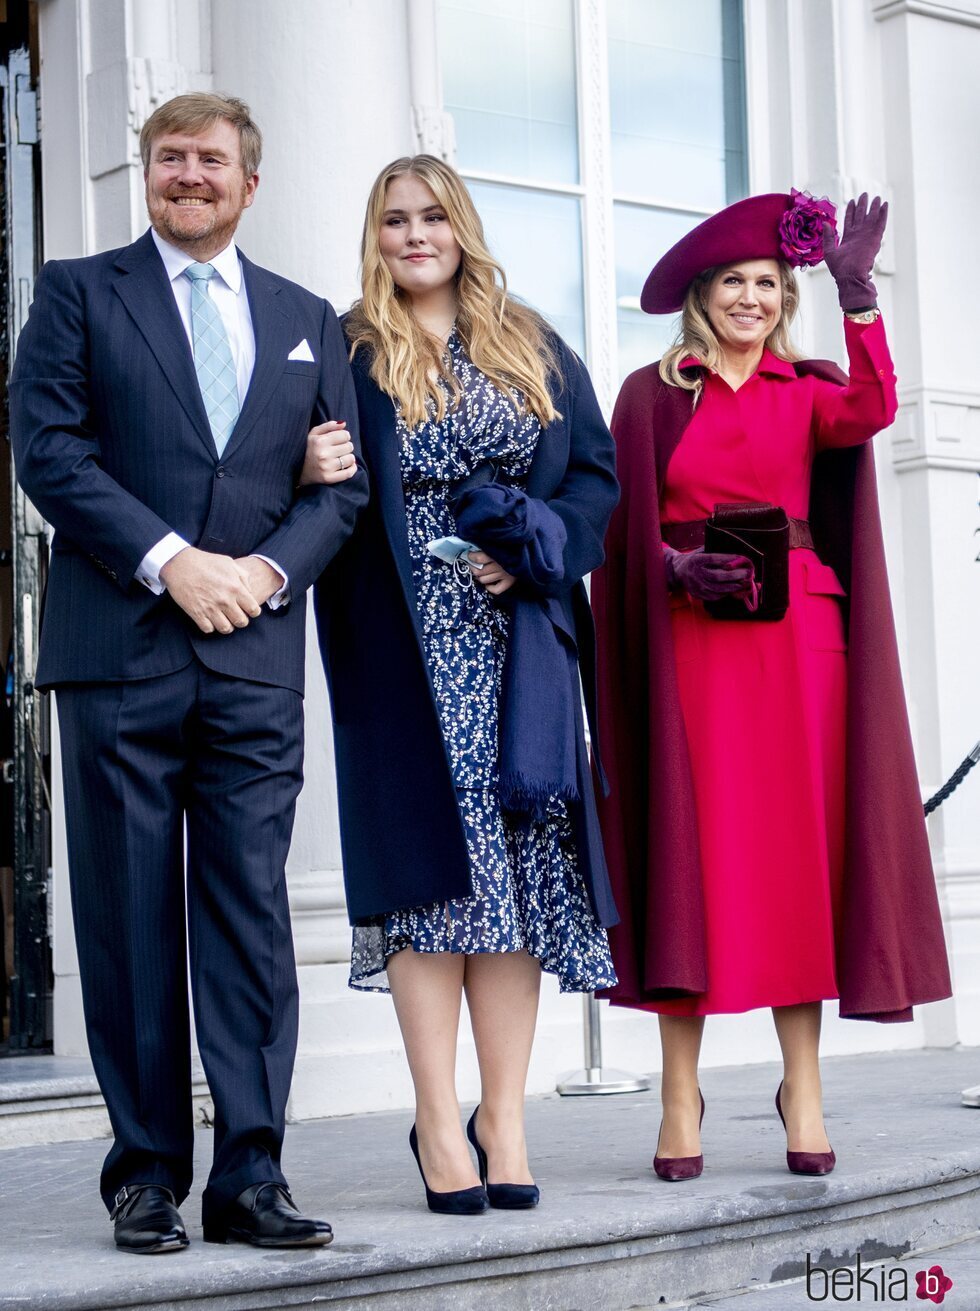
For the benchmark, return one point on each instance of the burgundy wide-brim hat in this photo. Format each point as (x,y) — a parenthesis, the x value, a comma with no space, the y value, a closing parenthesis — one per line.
(775,226)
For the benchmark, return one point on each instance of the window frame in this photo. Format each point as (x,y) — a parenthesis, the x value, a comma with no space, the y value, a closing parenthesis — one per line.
(595,192)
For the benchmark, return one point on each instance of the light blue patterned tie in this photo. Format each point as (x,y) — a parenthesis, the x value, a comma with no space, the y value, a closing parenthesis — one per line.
(212,357)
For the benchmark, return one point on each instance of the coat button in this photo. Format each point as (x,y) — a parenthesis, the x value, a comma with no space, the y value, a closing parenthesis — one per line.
(219,472)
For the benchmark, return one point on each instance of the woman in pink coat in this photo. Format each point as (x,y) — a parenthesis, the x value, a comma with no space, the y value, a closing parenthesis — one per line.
(764,832)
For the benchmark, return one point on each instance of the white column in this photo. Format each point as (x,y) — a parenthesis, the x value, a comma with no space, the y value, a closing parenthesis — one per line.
(66,233)
(597,202)
(329,86)
(432,127)
(105,66)
(133,51)
(931,104)
(879,97)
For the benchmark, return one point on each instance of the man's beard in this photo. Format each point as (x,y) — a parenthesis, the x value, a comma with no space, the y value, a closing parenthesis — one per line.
(214,234)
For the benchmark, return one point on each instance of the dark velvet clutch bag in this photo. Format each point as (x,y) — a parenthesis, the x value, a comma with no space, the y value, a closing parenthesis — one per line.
(760,532)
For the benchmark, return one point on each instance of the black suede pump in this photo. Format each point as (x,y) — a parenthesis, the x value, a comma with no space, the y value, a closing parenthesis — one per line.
(505,1197)
(463,1201)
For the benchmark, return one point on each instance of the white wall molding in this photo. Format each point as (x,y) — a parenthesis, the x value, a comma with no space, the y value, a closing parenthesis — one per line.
(937,428)
(433,128)
(435,132)
(318,911)
(120,98)
(149,84)
(960,888)
(966,12)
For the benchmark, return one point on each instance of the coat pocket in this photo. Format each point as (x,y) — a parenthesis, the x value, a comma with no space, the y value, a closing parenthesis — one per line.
(823,611)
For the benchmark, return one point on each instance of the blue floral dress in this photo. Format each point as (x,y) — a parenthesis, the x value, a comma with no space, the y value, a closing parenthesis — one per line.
(528,889)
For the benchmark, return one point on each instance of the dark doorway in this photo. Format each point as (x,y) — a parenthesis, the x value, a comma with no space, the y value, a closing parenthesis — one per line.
(25,819)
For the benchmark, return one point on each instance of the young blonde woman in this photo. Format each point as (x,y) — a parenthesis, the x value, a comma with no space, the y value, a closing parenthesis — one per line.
(472,857)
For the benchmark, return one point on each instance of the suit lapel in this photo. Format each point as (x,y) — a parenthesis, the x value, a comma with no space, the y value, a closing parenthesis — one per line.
(273,328)
(145,290)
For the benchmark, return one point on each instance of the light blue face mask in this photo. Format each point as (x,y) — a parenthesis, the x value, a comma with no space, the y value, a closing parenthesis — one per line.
(449,549)
(455,552)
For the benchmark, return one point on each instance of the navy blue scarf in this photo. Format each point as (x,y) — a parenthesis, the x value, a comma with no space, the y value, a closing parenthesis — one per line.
(537,716)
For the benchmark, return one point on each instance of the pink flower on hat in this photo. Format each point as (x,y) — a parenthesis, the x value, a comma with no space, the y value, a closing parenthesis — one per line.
(801,228)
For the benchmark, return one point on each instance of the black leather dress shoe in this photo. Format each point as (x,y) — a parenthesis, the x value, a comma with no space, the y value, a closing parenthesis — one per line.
(265,1216)
(147,1220)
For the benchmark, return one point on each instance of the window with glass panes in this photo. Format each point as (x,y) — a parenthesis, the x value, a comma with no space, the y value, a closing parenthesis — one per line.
(509,81)
(670,128)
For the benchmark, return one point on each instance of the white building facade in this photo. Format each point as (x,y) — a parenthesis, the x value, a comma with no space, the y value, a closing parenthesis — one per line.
(593,133)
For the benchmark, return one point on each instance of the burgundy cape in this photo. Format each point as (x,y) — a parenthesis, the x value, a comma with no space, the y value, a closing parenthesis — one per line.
(890,949)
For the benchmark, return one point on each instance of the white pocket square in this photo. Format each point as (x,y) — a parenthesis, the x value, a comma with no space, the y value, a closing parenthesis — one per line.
(302,352)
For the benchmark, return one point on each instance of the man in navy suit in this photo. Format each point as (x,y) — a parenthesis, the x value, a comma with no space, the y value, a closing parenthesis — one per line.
(160,405)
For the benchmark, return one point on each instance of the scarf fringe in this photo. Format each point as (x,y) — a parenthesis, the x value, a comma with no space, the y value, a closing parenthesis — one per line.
(528,798)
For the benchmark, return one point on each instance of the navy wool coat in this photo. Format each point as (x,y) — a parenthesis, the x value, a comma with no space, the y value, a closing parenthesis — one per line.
(113,445)
(401,831)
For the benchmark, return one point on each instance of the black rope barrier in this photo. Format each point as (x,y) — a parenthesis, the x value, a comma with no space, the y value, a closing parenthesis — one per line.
(953,782)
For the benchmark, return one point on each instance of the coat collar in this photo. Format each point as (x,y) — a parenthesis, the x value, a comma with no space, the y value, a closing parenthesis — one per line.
(226,263)
(672,408)
(770,365)
(144,287)
(773,367)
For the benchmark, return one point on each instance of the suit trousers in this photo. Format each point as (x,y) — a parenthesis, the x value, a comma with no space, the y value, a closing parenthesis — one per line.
(141,760)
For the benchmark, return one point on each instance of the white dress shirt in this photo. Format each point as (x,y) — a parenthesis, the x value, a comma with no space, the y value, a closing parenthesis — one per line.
(227,290)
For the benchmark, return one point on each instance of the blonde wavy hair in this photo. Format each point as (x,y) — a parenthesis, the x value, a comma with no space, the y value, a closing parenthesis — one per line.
(507,341)
(697,337)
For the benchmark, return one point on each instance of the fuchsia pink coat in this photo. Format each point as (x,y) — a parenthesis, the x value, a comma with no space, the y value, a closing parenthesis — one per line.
(764,828)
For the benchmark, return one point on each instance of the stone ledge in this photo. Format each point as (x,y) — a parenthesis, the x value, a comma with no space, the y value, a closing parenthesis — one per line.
(966,12)
(608,1233)
(51,1099)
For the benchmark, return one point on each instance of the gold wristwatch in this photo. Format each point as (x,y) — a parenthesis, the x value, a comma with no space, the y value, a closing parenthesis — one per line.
(864,316)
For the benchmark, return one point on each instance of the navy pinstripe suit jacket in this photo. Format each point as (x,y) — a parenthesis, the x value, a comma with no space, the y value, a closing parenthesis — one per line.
(112,444)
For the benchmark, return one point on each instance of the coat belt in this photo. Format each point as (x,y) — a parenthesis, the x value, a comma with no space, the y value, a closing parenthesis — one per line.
(690,535)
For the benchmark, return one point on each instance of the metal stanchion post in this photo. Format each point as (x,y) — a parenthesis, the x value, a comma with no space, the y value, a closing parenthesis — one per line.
(593,1079)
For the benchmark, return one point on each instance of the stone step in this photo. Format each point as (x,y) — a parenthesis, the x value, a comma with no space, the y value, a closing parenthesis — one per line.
(608,1233)
(53,1099)
(879,1283)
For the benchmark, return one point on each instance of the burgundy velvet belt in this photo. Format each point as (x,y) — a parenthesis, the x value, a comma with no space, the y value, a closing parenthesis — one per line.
(687,536)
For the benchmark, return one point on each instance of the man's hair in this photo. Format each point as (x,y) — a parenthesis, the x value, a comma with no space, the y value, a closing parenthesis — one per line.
(195,113)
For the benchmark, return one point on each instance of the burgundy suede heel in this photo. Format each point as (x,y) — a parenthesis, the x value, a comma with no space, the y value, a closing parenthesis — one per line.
(805,1162)
(675,1168)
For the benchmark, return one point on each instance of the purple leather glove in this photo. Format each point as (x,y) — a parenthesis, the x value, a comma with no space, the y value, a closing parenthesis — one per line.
(707,577)
(851,260)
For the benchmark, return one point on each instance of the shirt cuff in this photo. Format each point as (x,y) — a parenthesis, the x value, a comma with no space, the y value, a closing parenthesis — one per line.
(156,557)
(282,596)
